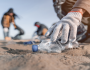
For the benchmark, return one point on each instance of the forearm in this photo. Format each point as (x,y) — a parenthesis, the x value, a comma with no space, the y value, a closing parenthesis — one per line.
(85,5)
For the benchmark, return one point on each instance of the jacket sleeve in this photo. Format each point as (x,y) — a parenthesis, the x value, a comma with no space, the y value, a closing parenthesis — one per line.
(84,4)
(14,22)
(4,21)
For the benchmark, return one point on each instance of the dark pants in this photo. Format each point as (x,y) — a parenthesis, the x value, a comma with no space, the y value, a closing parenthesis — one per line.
(21,32)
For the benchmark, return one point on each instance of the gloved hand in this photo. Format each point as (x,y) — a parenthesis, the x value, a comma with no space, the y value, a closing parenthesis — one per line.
(68,25)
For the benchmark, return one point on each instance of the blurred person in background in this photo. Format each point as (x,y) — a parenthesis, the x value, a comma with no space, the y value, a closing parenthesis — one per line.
(38,35)
(7,19)
(41,29)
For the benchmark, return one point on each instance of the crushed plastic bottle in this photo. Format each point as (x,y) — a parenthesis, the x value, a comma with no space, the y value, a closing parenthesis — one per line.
(48,46)
(53,47)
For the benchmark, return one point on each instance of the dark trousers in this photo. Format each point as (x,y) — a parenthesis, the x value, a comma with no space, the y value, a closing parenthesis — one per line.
(21,32)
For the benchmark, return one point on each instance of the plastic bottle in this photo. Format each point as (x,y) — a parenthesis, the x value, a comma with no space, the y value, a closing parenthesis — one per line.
(56,47)
(48,46)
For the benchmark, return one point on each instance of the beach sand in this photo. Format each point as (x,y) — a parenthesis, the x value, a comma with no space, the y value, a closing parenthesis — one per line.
(16,56)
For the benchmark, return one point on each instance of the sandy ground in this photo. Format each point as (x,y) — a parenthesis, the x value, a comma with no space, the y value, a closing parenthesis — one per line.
(17,56)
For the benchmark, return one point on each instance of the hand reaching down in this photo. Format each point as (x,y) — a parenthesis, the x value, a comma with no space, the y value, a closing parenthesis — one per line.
(68,25)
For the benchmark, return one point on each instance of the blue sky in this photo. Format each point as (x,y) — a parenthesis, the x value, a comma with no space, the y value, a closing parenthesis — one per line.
(29,12)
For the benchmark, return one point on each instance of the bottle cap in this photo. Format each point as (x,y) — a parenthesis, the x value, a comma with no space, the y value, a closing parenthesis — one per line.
(34,48)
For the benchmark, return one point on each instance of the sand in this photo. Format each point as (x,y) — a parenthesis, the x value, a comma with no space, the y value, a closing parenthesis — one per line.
(17,56)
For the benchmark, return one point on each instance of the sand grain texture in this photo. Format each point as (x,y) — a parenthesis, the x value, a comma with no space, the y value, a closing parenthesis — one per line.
(20,57)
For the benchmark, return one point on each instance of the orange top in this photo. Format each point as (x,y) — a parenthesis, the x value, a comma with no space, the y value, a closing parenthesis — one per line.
(7,20)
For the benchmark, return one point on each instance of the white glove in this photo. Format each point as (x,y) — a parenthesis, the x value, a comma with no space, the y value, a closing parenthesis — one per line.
(69,23)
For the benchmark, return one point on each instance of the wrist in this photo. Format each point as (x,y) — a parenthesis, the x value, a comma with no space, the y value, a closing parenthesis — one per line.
(82,11)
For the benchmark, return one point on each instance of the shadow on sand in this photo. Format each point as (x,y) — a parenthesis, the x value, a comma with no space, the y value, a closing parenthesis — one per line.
(16,51)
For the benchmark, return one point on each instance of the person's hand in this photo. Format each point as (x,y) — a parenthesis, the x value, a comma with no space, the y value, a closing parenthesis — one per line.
(68,25)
